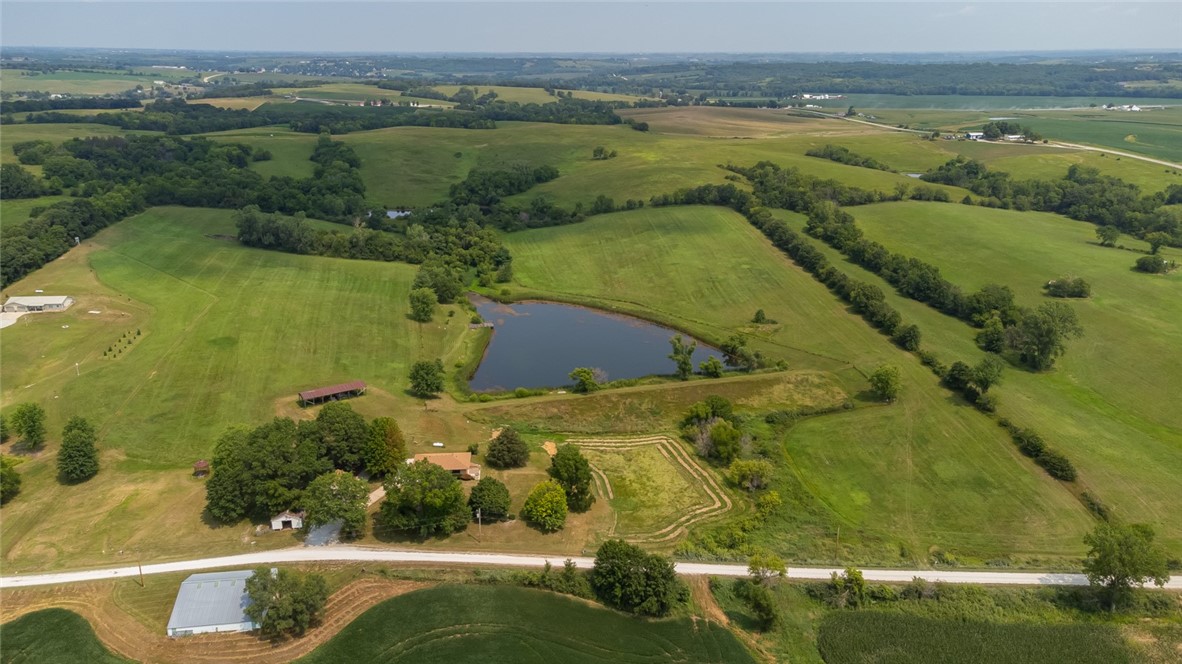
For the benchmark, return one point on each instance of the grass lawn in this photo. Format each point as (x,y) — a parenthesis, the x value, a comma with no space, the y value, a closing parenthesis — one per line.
(505,624)
(228,336)
(53,636)
(925,472)
(1109,402)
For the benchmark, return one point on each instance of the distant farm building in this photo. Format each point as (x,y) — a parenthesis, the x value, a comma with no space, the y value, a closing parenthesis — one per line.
(212,602)
(457,463)
(975,135)
(26,304)
(333,393)
(287,521)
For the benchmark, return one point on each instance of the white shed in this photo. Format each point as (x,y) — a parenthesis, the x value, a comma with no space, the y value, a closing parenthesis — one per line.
(287,520)
(210,603)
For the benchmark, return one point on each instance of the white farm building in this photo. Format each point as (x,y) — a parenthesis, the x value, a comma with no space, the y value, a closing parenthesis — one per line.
(25,304)
(212,602)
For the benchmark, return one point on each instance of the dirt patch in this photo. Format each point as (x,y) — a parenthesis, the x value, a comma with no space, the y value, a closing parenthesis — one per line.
(704,599)
(130,638)
(495,432)
(550,447)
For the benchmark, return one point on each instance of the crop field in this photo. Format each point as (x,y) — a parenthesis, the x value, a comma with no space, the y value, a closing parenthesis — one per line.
(924,472)
(1107,404)
(862,636)
(227,336)
(502,624)
(53,635)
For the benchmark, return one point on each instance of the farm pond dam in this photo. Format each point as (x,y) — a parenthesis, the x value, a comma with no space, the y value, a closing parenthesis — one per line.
(538,344)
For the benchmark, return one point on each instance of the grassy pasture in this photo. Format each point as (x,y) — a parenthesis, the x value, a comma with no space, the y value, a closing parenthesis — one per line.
(228,335)
(290,150)
(415,165)
(15,211)
(925,472)
(53,636)
(862,636)
(504,624)
(1108,403)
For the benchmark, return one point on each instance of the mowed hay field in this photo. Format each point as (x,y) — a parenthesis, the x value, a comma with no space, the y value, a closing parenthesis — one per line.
(228,335)
(73,82)
(1109,404)
(924,472)
(519,626)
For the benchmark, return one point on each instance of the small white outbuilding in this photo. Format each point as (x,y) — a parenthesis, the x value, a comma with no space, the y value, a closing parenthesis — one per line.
(287,521)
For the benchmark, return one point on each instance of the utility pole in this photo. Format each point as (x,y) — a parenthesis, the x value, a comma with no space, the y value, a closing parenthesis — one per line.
(837,549)
(140,565)
(479,523)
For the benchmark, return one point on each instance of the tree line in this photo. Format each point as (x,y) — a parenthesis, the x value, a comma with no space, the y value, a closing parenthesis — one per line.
(97,103)
(844,155)
(1083,194)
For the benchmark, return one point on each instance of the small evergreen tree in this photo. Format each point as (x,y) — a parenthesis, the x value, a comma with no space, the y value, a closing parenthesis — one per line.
(78,461)
(507,450)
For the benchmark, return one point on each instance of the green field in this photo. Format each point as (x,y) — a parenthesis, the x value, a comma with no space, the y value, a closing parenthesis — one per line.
(505,624)
(53,636)
(880,636)
(73,82)
(15,211)
(228,336)
(533,95)
(1108,404)
(926,472)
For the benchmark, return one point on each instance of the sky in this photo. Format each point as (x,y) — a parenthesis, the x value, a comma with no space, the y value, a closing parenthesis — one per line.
(600,27)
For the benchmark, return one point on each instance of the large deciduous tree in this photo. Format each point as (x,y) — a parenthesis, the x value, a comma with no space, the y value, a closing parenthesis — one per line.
(286,602)
(683,356)
(422,304)
(1123,556)
(573,472)
(1041,336)
(585,380)
(885,382)
(426,378)
(628,578)
(490,497)
(337,496)
(424,499)
(10,480)
(343,434)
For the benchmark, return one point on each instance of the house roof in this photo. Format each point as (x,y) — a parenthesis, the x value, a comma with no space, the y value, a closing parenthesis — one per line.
(321,392)
(288,515)
(452,461)
(38,300)
(213,598)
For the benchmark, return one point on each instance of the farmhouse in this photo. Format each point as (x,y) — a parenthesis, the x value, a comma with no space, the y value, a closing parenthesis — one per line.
(333,393)
(458,463)
(975,135)
(25,304)
(212,602)
(287,520)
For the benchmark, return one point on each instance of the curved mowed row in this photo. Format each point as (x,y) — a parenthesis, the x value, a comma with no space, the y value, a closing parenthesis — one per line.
(491,624)
(717,500)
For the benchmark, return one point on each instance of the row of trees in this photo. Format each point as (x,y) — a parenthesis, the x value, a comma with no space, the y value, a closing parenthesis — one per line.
(1083,194)
(844,155)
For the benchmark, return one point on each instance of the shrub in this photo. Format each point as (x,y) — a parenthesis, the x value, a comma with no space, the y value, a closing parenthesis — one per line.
(491,497)
(630,579)
(1030,443)
(546,506)
(1154,264)
(1057,465)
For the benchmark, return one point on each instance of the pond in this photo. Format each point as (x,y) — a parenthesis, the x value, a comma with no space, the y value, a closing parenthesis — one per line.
(538,344)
